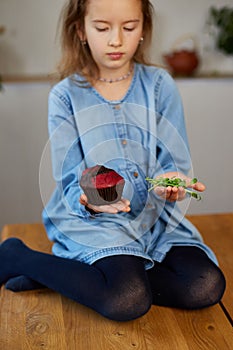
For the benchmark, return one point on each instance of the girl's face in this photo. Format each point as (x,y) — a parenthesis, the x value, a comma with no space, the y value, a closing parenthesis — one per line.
(113,29)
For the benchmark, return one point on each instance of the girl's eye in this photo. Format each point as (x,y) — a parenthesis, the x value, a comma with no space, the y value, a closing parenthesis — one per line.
(101,29)
(128,29)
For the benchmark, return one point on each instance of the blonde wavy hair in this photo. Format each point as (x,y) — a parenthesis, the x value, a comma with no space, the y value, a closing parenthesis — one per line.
(76,56)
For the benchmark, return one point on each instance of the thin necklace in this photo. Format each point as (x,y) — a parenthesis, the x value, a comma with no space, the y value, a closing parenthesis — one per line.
(123,77)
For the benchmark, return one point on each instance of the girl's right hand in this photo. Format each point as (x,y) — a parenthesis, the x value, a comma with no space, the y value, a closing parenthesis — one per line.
(114,208)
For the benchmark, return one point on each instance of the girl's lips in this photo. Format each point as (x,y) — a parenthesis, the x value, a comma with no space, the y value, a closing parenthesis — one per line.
(115,55)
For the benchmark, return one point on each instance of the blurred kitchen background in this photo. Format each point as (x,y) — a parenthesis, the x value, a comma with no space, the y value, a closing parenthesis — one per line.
(202,67)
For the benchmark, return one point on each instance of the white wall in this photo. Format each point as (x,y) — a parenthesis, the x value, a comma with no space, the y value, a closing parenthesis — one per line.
(29,44)
(208,106)
(23,135)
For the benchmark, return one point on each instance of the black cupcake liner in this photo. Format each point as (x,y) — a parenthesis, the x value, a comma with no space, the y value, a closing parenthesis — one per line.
(104,196)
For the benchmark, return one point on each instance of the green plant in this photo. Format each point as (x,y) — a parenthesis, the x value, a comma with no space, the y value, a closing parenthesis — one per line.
(222,18)
(173,182)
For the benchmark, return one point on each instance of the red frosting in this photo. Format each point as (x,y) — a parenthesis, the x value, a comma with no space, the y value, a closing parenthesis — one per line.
(100,177)
(106,180)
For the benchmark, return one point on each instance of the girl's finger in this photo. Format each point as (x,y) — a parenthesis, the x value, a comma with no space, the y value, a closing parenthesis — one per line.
(181,193)
(122,205)
(199,186)
(160,191)
(172,194)
(83,199)
(126,202)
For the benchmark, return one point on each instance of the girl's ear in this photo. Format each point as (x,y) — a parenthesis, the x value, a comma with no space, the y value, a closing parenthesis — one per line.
(80,33)
(81,36)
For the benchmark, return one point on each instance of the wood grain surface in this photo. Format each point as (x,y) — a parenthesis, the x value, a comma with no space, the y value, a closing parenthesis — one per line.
(44,319)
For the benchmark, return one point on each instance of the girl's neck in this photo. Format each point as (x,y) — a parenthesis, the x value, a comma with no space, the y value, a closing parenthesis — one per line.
(116,78)
(115,91)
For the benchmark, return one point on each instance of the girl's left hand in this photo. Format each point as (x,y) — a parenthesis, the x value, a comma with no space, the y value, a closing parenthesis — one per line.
(172,194)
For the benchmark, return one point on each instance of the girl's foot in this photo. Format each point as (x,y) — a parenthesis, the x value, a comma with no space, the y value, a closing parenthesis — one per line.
(22,283)
(11,250)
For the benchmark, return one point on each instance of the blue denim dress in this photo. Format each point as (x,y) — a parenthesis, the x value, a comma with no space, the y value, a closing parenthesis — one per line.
(142,135)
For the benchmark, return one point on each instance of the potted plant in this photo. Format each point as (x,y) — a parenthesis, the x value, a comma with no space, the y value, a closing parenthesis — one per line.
(222,19)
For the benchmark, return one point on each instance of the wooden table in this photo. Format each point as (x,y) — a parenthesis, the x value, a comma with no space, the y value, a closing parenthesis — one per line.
(44,319)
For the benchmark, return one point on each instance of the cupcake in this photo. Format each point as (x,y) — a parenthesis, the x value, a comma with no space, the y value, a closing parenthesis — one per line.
(101,185)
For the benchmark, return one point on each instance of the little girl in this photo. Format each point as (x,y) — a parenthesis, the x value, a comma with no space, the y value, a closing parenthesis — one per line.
(115,109)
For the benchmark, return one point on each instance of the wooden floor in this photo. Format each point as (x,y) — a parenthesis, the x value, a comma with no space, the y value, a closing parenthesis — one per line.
(45,320)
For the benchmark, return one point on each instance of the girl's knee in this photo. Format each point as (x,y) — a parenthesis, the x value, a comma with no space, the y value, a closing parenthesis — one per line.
(127,306)
(208,290)
(217,286)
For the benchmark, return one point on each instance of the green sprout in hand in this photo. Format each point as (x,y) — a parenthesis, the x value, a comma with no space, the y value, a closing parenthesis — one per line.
(174,182)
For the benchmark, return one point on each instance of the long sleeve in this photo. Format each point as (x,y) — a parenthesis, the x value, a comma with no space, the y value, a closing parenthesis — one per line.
(66,152)
(172,144)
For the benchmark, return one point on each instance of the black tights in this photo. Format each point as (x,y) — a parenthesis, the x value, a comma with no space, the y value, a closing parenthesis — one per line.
(117,287)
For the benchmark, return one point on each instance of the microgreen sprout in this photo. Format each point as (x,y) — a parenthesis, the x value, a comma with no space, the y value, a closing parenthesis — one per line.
(174,182)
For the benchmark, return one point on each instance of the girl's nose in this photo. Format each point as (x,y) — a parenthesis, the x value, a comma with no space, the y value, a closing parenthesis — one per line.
(115,38)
